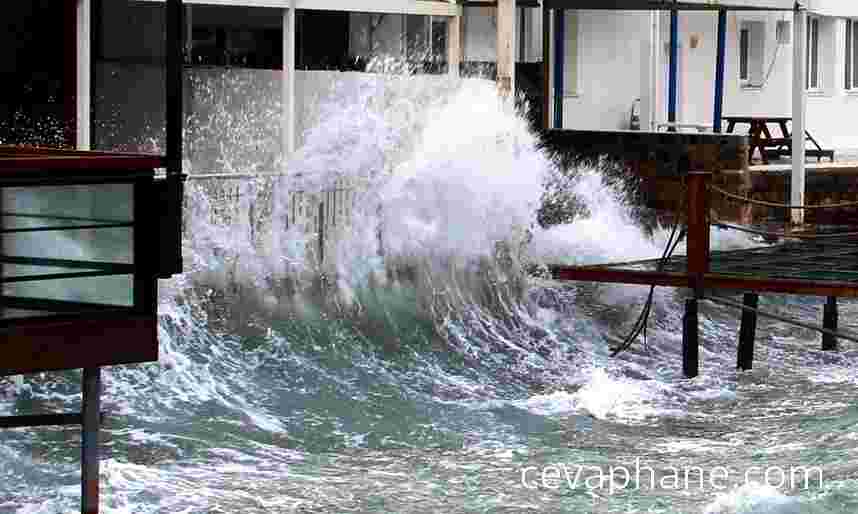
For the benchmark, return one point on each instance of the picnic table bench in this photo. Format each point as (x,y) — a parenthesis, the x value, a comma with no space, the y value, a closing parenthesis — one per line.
(774,147)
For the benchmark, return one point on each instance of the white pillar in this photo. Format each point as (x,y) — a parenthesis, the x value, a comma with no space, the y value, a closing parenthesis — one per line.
(506,46)
(84,74)
(454,44)
(799,112)
(288,98)
(651,110)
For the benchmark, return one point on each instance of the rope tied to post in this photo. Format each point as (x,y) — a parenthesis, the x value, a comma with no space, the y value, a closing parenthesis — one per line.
(764,203)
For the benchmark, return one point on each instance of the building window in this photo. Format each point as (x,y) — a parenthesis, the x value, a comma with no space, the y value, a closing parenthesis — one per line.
(851,55)
(744,47)
(813,81)
(752,36)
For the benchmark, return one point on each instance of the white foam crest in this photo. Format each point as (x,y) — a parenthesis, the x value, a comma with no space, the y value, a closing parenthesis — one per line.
(605,396)
(754,499)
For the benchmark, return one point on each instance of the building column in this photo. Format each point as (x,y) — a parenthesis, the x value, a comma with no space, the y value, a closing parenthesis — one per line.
(559,70)
(454,44)
(506,46)
(288,94)
(799,113)
(674,66)
(719,70)
(83,75)
(650,74)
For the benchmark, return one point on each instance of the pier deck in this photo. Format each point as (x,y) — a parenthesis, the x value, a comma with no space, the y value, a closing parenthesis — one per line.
(821,267)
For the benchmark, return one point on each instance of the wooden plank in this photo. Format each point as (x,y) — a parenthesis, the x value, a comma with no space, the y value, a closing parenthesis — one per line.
(710,281)
(36,345)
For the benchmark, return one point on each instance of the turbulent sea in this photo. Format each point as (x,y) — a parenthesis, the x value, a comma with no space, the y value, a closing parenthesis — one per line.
(419,369)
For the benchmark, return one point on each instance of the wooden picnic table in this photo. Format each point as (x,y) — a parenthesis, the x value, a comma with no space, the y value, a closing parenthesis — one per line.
(761,137)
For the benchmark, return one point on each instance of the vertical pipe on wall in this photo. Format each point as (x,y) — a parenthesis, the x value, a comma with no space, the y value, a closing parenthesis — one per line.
(799,112)
(559,61)
(719,70)
(674,64)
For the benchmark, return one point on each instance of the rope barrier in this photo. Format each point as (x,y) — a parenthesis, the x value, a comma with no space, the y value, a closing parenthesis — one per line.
(734,196)
(810,326)
(783,235)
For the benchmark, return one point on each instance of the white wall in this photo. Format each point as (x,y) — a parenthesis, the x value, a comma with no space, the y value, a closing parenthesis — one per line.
(829,111)
(613,49)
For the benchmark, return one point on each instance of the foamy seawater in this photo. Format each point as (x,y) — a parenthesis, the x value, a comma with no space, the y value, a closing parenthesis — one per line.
(426,372)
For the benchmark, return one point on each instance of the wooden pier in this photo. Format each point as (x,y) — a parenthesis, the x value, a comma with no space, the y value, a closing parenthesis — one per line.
(806,262)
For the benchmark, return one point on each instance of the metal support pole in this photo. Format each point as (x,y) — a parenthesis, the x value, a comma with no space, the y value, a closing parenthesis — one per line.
(829,321)
(674,65)
(747,332)
(172,236)
(690,341)
(559,61)
(719,70)
(89,439)
(799,111)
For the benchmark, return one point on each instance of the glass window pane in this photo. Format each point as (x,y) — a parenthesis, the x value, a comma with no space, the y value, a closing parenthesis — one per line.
(69,243)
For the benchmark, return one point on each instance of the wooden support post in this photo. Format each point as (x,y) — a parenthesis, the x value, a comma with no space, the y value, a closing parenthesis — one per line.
(799,112)
(747,332)
(506,46)
(454,44)
(91,389)
(690,341)
(829,321)
(697,206)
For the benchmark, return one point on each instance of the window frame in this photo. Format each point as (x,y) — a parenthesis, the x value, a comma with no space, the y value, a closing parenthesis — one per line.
(752,52)
(813,76)
(744,54)
(850,62)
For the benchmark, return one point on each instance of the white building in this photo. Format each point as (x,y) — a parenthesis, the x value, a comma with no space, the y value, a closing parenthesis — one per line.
(615,57)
